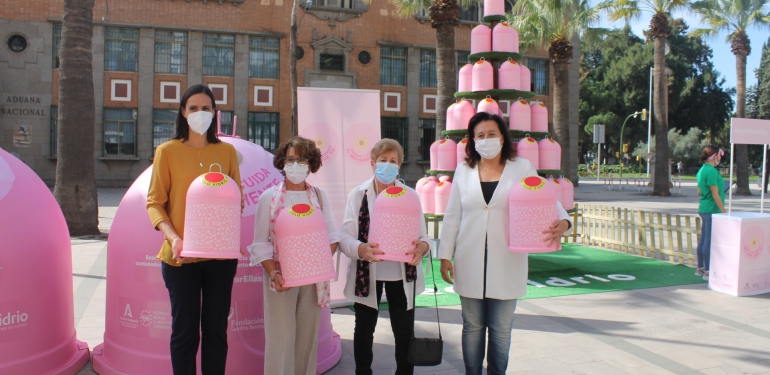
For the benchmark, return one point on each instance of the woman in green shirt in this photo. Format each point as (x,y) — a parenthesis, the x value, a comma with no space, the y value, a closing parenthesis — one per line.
(712,197)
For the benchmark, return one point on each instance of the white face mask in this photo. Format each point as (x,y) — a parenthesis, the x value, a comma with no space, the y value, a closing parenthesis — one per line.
(296,173)
(489,148)
(200,121)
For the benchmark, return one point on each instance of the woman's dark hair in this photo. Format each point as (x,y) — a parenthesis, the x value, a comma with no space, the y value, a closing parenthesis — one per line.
(305,148)
(472,156)
(183,128)
(708,152)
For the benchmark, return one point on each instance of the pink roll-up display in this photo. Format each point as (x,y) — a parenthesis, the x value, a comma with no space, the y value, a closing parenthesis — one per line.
(465,82)
(445,178)
(494,7)
(505,38)
(539,117)
(434,155)
(481,39)
(447,155)
(428,197)
(450,117)
(461,150)
(550,154)
(395,223)
(490,106)
(303,246)
(212,218)
(509,76)
(442,196)
(531,210)
(527,148)
(521,116)
(526,78)
(418,186)
(463,113)
(567,193)
(557,188)
(483,76)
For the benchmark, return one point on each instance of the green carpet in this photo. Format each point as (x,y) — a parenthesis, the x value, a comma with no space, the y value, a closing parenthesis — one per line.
(552,275)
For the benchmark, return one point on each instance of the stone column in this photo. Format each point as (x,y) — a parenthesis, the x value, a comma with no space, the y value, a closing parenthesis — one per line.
(241,84)
(145,100)
(413,172)
(194,58)
(97,61)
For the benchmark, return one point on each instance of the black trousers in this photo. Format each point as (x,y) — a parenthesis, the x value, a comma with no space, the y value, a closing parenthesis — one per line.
(401,321)
(200,302)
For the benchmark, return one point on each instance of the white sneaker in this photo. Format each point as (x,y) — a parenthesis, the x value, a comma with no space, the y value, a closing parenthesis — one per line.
(699,272)
(705,275)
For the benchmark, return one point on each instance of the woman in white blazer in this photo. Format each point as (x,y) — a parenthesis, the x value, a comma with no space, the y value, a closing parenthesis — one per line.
(488,277)
(367,275)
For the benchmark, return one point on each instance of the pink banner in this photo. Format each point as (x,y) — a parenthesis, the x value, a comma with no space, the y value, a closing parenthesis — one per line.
(749,131)
(345,124)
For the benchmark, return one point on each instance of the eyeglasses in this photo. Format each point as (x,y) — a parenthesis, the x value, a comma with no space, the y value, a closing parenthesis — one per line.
(291,160)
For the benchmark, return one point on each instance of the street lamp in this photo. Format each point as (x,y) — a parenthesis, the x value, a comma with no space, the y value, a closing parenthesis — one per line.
(644,115)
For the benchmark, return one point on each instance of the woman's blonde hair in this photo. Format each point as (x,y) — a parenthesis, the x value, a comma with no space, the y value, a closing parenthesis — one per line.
(387,145)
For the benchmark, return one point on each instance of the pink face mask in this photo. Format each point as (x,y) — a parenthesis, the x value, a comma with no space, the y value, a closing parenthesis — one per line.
(712,157)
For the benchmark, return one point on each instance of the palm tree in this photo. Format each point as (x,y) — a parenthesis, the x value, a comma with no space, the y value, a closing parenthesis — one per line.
(551,25)
(75,187)
(660,29)
(735,17)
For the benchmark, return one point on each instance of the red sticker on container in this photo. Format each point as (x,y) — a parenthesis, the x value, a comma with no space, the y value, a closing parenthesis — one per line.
(394,192)
(533,183)
(301,210)
(214,179)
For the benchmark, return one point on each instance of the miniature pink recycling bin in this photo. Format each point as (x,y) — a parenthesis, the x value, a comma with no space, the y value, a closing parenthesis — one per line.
(527,148)
(37,320)
(212,217)
(521,116)
(490,106)
(428,196)
(505,38)
(434,155)
(445,178)
(567,193)
(557,188)
(447,155)
(539,117)
(450,117)
(494,7)
(481,39)
(395,223)
(740,253)
(138,320)
(442,196)
(303,246)
(465,81)
(531,210)
(483,76)
(509,76)
(526,78)
(550,154)
(420,183)
(461,150)
(463,113)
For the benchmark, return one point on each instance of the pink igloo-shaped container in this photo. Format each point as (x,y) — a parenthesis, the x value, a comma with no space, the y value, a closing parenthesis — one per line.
(509,76)
(445,178)
(303,246)
(550,154)
(481,39)
(463,113)
(567,193)
(465,80)
(450,117)
(539,117)
(531,210)
(556,184)
(490,106)
(494,7)
(37,313)
(525,84)
(442,196)
(521,116)
(212,218)
(483,76)
(461,150)
(527,148)
(447,155)
(434,155)
(395,223)
(418,186)
(505,38)
(428,196)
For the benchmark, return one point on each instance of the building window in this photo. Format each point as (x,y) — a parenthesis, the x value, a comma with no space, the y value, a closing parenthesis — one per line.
(428,68)
(170,92)
(54,129)
(119,132)
(427,137)
(332,61)
(218,55)
(263,96)
(263,129)
(393,66)
(163,126)
(469,13)
(220,92)
(539,71)
(462,59)
(170,52)
(429,103)
(263,57)
(392,101)
(56,46)
(226,122)
(121,49)
(396,128)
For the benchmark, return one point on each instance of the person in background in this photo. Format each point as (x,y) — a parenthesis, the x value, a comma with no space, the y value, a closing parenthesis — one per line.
(712,197)
(199,289)
(680,167)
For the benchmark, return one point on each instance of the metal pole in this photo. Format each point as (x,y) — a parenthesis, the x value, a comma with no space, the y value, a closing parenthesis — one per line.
(621,141)
(732,156)
(598,160)
(649,125)
(764,173)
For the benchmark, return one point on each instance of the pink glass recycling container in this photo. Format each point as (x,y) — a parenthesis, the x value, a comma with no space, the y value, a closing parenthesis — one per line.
(531,210)
(395,223)
(525,84)
(465,82)
(37,312)
(434,155)
(539,117)
(442,196)
(303,246)
(567,193)
(461,150)
(420,183)
(463,113)
(527,148)
(521,116)
(483,76)
(505,38)
(550,154)
(490,106)
(445,178)
(481,39)
(494,7)
(557,188)
(450,117)
(447,155)
(428,196)
(509,76)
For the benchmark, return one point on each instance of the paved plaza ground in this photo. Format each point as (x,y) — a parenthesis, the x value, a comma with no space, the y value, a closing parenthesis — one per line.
(671,330)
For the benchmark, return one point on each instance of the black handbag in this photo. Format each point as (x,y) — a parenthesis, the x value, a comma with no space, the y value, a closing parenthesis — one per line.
(426,351)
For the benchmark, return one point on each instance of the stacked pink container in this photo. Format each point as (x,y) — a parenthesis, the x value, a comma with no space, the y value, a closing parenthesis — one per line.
(526,78)
(494,7)
(557,188)
(212,224)
(428,196)
(303,246)
(490,106)
(539,117)
(505,38)
(521,116)
(483,76)
(447,155)
(418,186)
(450,117)
(434,155)
(445,178)
(481,39)
(527,149)
(461,150)
(550,154)
(509,76)
(531,210)
(462,113)
(395,223)
(567,193)
(442,196)
(465,82)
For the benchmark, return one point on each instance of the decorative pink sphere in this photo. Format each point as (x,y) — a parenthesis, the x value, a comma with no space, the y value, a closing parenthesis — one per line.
(550,154)
(509,76)
(494,7)
(465,82)
(481,39)
(483,76)
(450,117)
(567,193)
(539,115)
(396,223)
(527,148)
(442,196)
(531,210)
(521,116)
(212,218)
(434,155)
(447,155)
(463,113)
(490,106)
(428,196)
(505,38)
(525,83)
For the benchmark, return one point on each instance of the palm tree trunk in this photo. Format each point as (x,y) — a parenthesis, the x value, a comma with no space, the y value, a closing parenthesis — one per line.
(561,111)
(660,185)
(446,66)
(75,187)
(293,67)
(741,151)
